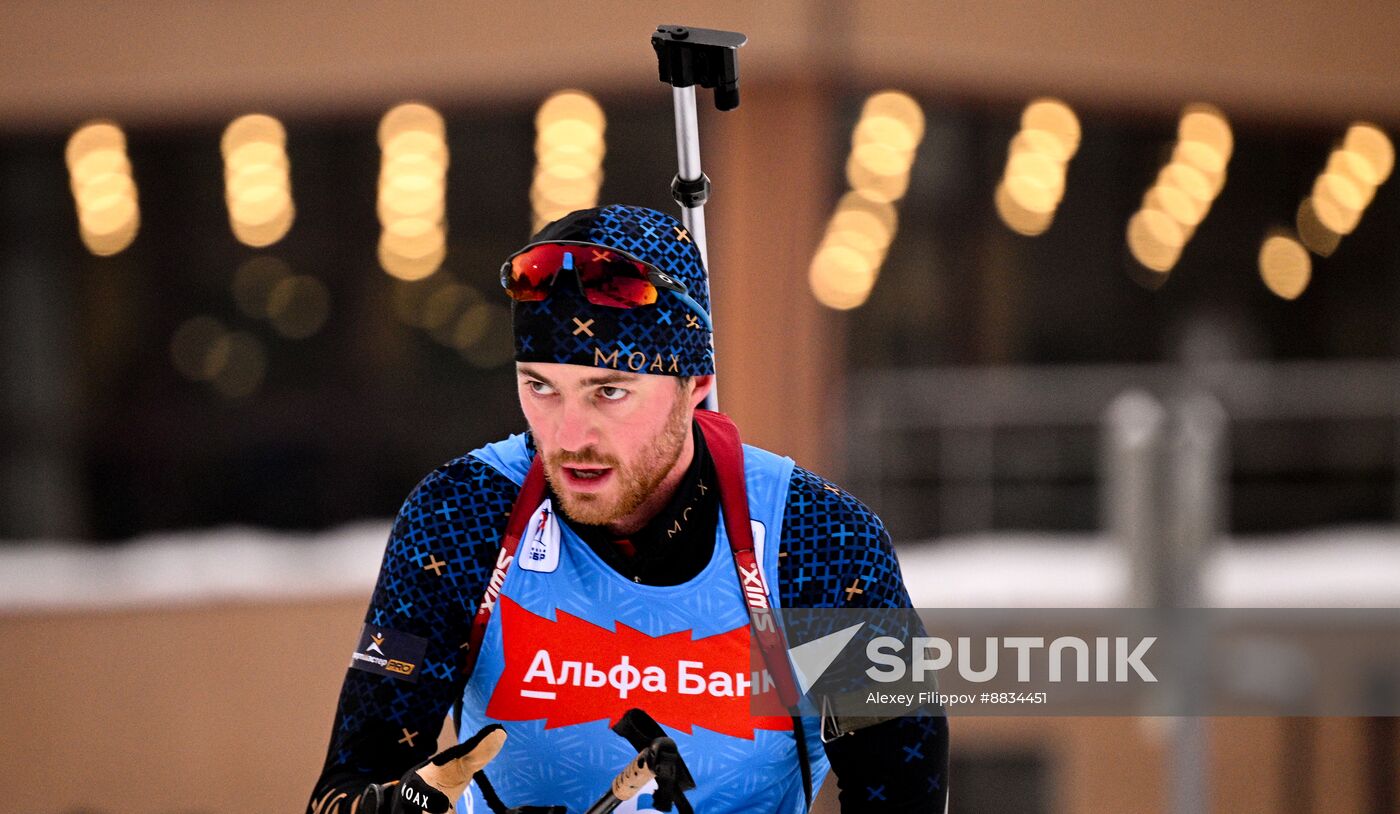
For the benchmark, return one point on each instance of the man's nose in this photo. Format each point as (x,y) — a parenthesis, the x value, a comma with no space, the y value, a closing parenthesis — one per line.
(575,430)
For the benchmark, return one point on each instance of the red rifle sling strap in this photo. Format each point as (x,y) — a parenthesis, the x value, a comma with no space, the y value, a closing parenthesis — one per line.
(530,497)
(722,439)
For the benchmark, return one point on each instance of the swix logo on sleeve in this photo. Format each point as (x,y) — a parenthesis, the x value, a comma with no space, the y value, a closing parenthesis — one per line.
(571,671)
(540,548)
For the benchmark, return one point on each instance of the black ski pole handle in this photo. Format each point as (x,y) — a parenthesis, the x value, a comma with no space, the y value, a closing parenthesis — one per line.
(656,762)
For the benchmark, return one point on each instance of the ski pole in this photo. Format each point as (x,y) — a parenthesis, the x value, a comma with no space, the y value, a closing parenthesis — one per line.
(658,760)
(687,57)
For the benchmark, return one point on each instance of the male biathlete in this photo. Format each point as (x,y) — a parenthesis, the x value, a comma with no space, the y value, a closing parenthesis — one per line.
(541,586)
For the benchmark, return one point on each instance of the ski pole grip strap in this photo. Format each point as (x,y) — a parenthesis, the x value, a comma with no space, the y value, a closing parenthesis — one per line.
(531,494)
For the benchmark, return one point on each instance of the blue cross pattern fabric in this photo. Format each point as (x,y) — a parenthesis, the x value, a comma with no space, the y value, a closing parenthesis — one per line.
(831,551)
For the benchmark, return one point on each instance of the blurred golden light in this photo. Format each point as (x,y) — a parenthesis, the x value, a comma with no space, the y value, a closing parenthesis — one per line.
(1188,179)
(410,117)
(412,203)
(405,194)
(1155,239)
(429,146)
(843,269)
(474,324)
(257,184)
(883,147)
(886,131)
(861,231)
(408,298)
(252,128)
(253,283)
(414,166)
(94,137)
(1033,183)
(589,156)
(1031,194)
(1206,124)
(1344,191)
(259,202)
(443,305)
(298,306)
(110,243)
(1183,193)
(1354,166)
(569,149)
(881,159)
(99,190)
(253,154)
(110,216)
(874,186)
(1182,208)
(394,204)
(1017,217)
(265,233)
(549,192)
(192,344)
(1039,142)
(1163,228)
(443,322)
(865,244)
(567,172)
(1205,159)
(1045,171)
(897,105)
(254,181)
(406,267)
(573,105)
(854,205)
(243,368)
(835,287)
(1053,117)
(1284,266)
(414,244)
(104,193)
(98,163)
(1333,214)
(1372,144)
(1313,232)
(569,132)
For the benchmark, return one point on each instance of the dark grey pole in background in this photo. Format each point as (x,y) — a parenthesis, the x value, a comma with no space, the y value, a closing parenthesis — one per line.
(41,491)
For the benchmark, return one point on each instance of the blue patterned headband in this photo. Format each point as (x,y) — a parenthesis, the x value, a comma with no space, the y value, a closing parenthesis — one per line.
(666,338)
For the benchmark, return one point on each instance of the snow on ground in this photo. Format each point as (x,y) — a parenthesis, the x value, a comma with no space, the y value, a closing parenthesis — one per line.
(1345,567)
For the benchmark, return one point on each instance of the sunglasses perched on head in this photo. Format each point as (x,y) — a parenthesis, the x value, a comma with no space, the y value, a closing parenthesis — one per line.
(606,277)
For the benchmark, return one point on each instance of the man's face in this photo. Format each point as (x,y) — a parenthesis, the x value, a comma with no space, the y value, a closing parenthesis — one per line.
(607,438)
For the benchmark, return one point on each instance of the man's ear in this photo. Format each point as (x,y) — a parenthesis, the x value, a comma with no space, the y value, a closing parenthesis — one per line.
(703,385)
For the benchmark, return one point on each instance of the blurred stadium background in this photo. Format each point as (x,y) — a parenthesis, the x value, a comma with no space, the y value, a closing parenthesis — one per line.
(1094,302)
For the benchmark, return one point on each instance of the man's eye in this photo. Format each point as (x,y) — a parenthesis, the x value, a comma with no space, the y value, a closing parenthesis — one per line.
(539,388)
(611,393)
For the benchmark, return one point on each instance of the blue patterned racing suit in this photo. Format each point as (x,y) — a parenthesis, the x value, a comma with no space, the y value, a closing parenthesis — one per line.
(833,553)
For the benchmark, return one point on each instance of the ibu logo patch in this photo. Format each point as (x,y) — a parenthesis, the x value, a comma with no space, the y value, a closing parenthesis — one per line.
(539,548)
(389,653)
